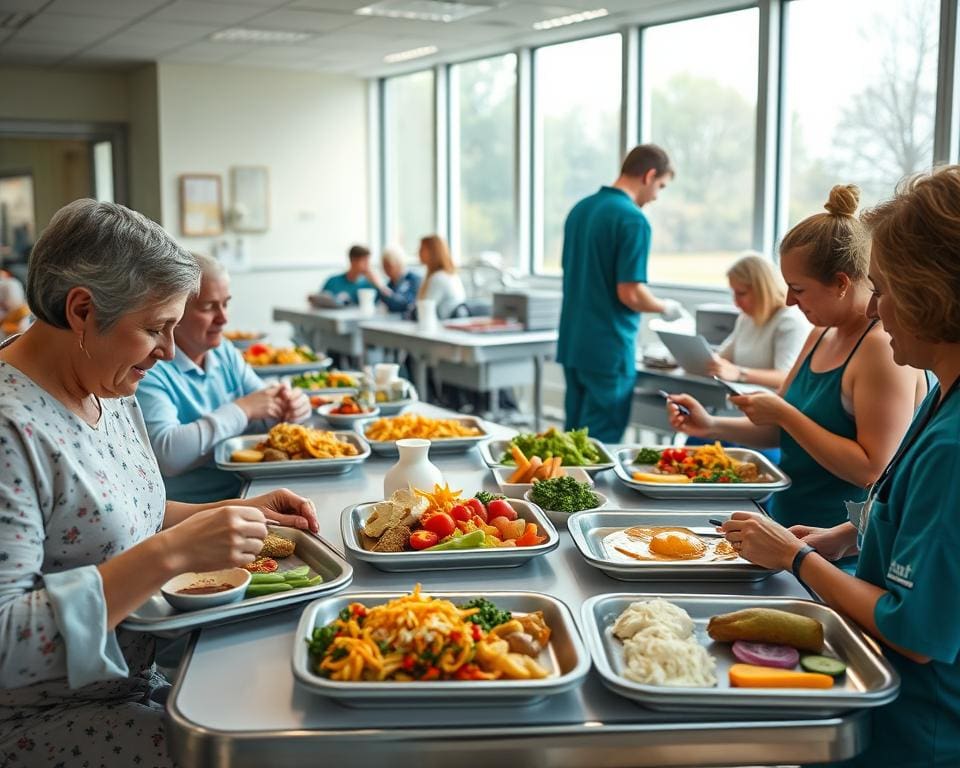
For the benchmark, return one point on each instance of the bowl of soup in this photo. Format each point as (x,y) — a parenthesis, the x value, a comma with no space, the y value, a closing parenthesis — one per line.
(191,591)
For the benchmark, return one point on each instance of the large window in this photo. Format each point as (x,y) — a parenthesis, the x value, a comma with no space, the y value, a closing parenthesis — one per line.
(410,194)
(861,85)
(577,87)
(700,81)
(483,159)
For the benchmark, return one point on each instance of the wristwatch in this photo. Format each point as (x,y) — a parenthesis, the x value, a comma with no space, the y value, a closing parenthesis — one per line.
(798,559)
(742,375)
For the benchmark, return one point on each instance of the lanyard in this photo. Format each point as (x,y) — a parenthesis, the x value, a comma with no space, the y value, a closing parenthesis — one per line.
(914,436)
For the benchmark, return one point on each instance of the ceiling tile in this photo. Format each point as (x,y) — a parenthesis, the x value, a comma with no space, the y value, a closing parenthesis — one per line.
(61,28)
(209,13)
(22,5)
(304,21)
(208,53)
(342,6)
(253,3)
(35,53)
(111,9)
(165,33)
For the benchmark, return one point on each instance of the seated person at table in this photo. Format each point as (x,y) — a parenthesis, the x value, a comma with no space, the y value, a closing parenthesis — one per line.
(86,534)
(442,284)
(845,404)
(206,394)
(400,292)
(768,335)
(343,288)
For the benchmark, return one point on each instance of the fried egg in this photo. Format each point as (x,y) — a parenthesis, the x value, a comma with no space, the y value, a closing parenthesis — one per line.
(666,543)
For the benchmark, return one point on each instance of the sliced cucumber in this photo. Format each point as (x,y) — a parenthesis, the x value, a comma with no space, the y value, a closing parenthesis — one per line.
(824,665)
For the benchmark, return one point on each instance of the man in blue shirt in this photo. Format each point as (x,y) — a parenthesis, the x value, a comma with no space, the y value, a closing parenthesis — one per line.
(400,292)
(606,243)
(206,394)
(343,288)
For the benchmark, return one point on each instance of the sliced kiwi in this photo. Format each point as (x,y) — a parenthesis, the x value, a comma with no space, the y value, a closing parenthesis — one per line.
(823,665)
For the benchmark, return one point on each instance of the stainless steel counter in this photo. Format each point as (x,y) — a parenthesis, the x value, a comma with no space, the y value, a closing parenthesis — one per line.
(235,703)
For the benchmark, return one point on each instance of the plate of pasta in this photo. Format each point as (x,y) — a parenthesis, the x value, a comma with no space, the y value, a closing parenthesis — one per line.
(710,471)
(289,450)
(453,435)
(418,649)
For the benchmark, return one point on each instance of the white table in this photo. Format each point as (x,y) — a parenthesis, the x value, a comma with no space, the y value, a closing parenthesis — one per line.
(235,702)
(482,362)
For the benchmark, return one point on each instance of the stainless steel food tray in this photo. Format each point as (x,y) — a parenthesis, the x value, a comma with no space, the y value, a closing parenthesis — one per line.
(870,681)
(157,615)
(291,369)
(566,657)
(590,527)
(492,451)
(625,467)
(292,468)
(353,518)
(438,445)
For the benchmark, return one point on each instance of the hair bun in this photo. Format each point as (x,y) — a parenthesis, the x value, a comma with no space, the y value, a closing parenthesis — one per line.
(843,200)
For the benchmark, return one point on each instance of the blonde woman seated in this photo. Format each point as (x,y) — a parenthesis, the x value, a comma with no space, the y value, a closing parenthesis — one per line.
(768,336)
(442,284)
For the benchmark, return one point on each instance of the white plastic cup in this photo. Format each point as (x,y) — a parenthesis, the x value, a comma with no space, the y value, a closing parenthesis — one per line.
(385,373)
(367,297)
(427,315)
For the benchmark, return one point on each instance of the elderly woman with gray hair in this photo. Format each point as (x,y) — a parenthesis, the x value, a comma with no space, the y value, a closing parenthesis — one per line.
(86,534)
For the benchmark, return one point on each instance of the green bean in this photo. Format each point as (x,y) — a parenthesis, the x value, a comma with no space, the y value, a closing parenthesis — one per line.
(296,573)
(266,578)
(256,590)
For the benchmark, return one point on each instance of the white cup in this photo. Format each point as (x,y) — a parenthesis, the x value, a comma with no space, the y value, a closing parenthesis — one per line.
(384,373)
(367,298)
(427,315)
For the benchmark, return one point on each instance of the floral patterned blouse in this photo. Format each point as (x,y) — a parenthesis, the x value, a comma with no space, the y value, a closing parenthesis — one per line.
(71,496)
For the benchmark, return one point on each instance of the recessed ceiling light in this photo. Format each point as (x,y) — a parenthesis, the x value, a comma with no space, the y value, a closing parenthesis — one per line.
(242,35)
(422,10)
(573,18)
(413,53)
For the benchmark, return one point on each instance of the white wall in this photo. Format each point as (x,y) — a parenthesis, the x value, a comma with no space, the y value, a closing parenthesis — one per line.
(310,130)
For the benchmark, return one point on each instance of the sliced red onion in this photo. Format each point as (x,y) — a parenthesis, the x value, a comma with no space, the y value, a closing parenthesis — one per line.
(766,654)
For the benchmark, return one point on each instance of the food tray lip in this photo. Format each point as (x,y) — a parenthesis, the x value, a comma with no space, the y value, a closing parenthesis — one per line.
(390,446)
(491,461)
(303,466)
(254,605)
(444,560)
(290,369)
(753,491)
(725,699)
(389,691)
(663,569)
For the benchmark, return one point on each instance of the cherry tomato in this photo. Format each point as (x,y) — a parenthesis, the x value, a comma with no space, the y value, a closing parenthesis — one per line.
(476,506)
(440,523)
(460,512)
(257,349)
(423,539)
(501,508)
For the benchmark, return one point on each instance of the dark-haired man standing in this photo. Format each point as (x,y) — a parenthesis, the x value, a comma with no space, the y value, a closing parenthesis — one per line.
(606,243)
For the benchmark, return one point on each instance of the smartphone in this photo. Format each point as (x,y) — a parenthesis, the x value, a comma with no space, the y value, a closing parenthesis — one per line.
(733,389)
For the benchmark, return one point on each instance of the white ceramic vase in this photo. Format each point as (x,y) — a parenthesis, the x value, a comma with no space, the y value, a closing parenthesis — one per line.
(413,468)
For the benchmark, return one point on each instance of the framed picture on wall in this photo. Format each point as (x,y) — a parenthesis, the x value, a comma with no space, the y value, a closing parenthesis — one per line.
(250,191)
(201,205)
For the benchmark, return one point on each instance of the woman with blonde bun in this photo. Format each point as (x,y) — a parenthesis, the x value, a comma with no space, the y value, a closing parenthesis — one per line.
(845,405)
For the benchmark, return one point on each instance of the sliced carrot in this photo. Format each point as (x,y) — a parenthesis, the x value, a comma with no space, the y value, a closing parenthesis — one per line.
(535,464)
(518,457)
(752,676)
(518,473)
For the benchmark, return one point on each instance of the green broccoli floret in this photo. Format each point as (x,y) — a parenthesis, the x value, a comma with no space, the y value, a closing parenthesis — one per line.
(564,494)
(488,616)
(486,497)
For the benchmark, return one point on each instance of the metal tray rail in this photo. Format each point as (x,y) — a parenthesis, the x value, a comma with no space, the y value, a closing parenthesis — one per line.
(353,517)
(870,681)
(438,445)
(590,527)
(492,451)
(294,467)
(291,369)
(566,657)
(625,467)
(158,616)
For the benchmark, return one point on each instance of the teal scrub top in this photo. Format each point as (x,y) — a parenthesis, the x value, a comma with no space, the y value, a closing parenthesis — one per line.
(816,496)
(606,241)
(911,547)
(343,290)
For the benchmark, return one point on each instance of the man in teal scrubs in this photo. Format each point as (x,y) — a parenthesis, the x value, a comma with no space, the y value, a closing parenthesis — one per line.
(606,242)
(343,287)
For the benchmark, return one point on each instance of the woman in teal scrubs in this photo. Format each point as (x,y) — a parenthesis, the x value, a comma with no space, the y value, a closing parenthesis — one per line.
(845,405)
(904,592)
